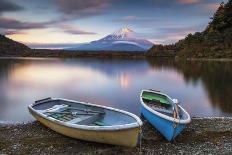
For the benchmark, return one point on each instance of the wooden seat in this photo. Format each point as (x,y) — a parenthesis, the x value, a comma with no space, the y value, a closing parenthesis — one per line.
(164,111)
(84,120)
(78,119)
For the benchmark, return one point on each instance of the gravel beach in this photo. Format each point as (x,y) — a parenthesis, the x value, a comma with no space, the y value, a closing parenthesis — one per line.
(202,136)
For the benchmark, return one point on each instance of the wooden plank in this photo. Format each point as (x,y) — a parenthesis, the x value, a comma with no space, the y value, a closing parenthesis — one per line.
(86,110)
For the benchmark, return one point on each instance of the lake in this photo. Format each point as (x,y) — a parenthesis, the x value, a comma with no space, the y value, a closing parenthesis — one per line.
(202,87)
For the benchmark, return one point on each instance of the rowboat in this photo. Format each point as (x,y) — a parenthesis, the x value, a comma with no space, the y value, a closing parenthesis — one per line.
(164,113)
(88,121)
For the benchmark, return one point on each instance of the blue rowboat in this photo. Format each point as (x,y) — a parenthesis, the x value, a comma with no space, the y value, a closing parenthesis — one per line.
(164,113)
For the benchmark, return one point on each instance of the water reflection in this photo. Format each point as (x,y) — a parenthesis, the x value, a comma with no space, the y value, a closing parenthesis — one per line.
(202,87)
(215,77)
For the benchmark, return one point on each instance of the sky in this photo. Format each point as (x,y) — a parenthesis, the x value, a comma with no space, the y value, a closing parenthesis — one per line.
(67,22)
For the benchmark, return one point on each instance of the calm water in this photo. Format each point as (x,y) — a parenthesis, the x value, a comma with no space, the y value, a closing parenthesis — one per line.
(203,88)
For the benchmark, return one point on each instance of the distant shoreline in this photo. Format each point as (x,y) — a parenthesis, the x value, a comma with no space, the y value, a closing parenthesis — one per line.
(48,53)
(57,54)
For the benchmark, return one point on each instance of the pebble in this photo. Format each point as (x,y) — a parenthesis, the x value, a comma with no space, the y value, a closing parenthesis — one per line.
(194,140)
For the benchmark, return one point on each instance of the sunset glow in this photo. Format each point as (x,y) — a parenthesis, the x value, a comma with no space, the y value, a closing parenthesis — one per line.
(51,75)
(65,22)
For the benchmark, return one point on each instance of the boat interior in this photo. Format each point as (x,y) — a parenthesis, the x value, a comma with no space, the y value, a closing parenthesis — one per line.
(81,114)
(162,104)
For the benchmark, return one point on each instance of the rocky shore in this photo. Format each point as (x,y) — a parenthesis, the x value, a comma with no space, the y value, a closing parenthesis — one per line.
(202,136)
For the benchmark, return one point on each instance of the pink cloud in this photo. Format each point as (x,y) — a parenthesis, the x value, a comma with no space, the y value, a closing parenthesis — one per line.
(189,1)
(212,6)
(75,30)
(13,32)
(126,18)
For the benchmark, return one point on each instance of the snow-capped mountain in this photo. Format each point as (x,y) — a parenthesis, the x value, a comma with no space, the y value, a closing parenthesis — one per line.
(122,34)
(122,40)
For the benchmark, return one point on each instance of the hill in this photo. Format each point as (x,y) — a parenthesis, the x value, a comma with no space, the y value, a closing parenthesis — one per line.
(10,47)
(214,42)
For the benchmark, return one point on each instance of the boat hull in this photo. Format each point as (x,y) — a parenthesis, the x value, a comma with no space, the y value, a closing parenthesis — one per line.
(124,137)
(165,127)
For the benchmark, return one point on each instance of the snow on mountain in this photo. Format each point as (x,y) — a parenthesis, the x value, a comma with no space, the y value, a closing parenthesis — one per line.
(122,34)
(121,40)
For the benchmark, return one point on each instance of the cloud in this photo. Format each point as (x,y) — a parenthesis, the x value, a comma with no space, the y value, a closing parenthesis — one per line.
(80,8)
(171,34)
(154,18)
(74,30)
(212,6)
(172,29)
(80,32)
(9,23)
(51,45)
(11,26)
(189,1)
(9,6)
(126,18)
(11,32)
(135,20)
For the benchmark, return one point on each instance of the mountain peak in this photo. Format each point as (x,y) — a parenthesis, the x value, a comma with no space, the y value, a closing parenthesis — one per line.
(124,30)
(123,33)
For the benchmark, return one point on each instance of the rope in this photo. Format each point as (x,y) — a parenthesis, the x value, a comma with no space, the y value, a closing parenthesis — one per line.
(176,116)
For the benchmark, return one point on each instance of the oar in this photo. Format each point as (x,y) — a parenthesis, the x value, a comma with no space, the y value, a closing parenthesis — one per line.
(86,110)
(73,113)
(176,109)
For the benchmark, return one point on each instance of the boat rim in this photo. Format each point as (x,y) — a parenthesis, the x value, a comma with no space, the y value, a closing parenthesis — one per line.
(178,121)
(137,123)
